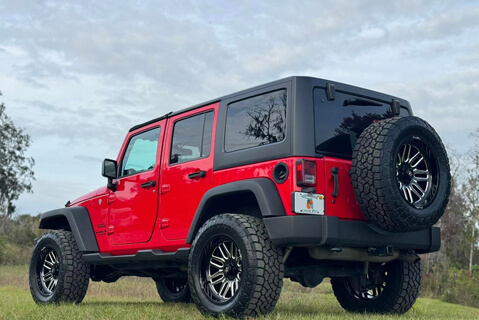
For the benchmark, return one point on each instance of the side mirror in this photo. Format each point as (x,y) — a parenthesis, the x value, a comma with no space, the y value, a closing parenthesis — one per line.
(109,170)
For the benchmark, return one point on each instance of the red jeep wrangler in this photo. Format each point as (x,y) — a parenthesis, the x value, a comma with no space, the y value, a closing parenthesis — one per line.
(300,178)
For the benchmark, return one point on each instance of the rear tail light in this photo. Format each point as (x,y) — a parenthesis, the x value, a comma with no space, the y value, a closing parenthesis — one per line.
(305,173)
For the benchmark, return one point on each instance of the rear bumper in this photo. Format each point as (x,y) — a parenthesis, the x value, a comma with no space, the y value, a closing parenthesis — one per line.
(309,231)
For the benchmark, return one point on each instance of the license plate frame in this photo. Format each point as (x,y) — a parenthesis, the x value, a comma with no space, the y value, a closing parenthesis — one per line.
(308,203)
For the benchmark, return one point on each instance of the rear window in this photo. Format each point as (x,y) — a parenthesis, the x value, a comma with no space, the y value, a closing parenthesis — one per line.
(339,123)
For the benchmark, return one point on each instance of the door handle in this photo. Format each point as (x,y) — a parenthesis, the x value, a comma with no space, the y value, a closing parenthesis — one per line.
(150,183)
(334,173)
(199,174)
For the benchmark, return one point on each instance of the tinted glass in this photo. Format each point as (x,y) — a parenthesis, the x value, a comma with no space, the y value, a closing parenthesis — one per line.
(339,123)
(140,153)
(207,133)
(256,121)
(192,138)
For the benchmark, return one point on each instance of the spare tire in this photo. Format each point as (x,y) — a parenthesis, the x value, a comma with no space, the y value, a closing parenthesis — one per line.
(400,174)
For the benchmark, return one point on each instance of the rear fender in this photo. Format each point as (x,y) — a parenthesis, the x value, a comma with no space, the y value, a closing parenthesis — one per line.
(263,189)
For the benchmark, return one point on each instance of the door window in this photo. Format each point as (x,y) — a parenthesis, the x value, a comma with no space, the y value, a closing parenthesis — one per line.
(140,155)
(192,138)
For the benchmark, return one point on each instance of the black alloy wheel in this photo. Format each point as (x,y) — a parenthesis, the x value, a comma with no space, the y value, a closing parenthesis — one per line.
(416,173)
(221,269)
(47,270)
(392,288)
(57,271)
(234,268)
(400,174)
(174,290)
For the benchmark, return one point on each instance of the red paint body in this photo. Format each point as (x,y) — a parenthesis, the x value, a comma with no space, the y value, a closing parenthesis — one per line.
(159,217)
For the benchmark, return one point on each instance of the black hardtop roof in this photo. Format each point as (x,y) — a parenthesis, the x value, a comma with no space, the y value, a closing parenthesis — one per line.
(339,85)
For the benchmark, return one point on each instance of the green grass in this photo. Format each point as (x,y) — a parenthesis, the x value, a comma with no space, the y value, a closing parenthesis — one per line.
(136,298)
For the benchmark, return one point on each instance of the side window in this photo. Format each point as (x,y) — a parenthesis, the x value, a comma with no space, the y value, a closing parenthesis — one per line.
(192,138)
(140,155)
(256,121)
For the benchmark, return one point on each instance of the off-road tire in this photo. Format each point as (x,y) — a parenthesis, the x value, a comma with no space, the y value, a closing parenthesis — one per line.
(73,273)
(262,267)
(165,288)
(402,285)
(374,174)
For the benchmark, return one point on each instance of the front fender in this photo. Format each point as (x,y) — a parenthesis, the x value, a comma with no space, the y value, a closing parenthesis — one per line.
(75,219)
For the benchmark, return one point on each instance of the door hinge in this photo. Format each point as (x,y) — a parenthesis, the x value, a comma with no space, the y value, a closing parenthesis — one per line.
(165,188)
(111,198)
(164,223)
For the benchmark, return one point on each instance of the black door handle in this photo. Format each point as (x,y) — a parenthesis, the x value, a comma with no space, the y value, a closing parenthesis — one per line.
(334,173)
(199,174)
(150,183)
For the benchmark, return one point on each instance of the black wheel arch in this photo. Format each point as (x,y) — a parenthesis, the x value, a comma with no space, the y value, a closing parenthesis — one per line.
(74,219)
(261,190)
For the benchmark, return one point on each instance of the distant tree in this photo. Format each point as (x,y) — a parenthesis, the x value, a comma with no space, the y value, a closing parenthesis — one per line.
(471,194)
(16,174)
(454,247)
(356,123)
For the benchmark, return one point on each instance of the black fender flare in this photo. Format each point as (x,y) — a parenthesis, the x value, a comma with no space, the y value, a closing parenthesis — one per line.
(264,189)
(77,221)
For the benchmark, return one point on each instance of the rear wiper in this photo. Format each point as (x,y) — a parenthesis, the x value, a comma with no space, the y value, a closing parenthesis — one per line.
(360,102)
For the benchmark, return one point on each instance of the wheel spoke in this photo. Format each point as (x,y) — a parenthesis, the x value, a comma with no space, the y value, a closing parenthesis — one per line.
(410,194)
(225,256)
(50,285)
(55,258)
(218,259)
(408,153)
(414,157)
(218,266)
(416,193)
(418,187)
(49,263)
(405,193)
(417,162)
(419,171)
(219,280)
(228,253)
(421,178)
(224,284)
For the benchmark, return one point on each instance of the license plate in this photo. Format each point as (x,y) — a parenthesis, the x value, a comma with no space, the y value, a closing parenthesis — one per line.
(308,203)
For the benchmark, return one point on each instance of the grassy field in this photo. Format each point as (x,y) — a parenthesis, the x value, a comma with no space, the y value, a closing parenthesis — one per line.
(136,298)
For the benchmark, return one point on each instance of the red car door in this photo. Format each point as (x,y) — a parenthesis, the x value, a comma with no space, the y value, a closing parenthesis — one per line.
(133,207)
(187,169)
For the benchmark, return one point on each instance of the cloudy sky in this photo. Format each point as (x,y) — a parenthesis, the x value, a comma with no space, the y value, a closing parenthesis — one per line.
(77,75)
